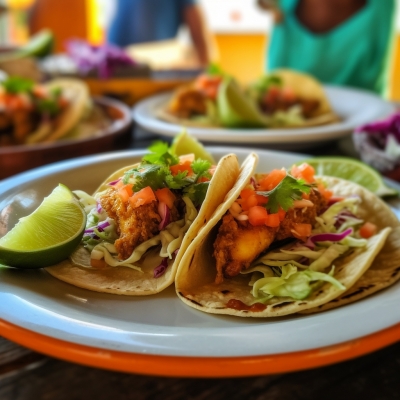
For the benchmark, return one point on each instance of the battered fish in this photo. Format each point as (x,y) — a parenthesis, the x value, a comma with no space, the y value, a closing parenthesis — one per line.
(239,243)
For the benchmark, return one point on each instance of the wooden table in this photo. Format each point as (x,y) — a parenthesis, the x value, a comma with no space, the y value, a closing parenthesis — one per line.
(374,376)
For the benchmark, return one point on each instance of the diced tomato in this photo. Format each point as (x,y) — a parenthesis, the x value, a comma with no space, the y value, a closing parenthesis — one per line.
(249,202)
(125,192)
(187,157)
(166,196)
(273,220)
(262,200)
(367,230)
(258,215)
(303,171)
(39,91)
(209,85)
(327,194)
(302,231)
(272,180)
(245,193)
(281,214)
(175,169)
(144,196)
(288,94)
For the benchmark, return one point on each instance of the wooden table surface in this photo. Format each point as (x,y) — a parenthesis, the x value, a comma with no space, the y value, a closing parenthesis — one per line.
(33,376)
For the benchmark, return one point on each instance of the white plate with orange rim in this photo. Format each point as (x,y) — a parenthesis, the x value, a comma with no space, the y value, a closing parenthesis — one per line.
(354,107)
(159,334)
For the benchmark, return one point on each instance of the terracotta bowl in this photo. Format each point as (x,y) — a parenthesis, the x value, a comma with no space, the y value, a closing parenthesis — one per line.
(19,158)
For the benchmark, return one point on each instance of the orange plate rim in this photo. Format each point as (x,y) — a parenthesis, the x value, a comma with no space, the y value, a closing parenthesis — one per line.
(200,367)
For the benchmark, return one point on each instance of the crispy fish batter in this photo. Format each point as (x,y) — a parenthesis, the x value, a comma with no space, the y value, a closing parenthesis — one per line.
(239,243)
(188,102)
(134,225)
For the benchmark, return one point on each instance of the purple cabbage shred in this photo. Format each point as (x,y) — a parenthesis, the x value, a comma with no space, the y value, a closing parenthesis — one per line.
(103,59)
(160,270)
(380,130)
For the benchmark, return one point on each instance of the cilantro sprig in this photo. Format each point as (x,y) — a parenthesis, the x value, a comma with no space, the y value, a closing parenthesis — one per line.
(16,84)
(160,153)
(154,171)
(285,193)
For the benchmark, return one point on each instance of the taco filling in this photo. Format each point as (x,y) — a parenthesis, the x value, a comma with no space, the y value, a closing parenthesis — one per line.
(152,204)
(198,99)
(286,242)
(274,98)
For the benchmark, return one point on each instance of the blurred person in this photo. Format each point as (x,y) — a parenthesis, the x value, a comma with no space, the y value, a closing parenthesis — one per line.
(343,42)
(139,21)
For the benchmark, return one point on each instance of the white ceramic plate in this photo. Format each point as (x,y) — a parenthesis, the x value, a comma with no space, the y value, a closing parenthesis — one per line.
(354,107)
(159,325)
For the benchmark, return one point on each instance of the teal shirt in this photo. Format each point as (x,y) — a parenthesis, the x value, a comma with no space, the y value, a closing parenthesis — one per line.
(355,53)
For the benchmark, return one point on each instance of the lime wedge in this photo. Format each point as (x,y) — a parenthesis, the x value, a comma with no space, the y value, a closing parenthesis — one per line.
(183,144)
(351,170)
(48,235)
(235,109)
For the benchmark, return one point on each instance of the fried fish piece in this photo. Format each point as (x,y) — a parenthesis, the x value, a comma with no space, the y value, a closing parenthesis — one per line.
(188,102)
(239,243)
(135,225)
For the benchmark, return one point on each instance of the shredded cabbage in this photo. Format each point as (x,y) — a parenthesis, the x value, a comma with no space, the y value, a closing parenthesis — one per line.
(102,244)
(292,283)
(296,270)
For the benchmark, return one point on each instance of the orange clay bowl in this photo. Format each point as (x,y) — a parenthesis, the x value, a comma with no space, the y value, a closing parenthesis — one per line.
(117,135)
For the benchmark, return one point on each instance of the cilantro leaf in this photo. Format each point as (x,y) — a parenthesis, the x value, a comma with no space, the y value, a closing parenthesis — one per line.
(15,84)
(200,168)
(147,175)
(284,194)
(160,153)
(178,181)
(197,192)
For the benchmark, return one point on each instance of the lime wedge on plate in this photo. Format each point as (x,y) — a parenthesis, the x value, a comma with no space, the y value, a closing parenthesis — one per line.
(235,109)
(351,170)
(48,235)
(183,144)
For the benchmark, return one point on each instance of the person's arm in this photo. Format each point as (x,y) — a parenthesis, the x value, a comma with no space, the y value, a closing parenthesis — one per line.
(273,7)
(194,20)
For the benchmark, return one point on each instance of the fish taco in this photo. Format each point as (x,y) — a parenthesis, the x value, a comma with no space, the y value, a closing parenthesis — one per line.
(289,98)
(287,242)
(141,220)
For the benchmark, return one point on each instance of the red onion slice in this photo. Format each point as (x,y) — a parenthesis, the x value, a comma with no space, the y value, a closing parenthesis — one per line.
(330,237)
(160,269)
(165,214)
(112,183)
(102,226)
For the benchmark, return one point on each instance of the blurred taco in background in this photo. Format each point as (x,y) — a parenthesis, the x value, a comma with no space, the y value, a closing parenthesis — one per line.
(291,98)
(195,104)
(288,242)
(141,220)
(36,113)
(213,99)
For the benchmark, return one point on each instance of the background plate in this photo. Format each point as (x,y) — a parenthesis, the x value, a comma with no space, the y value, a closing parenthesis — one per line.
(345,101)
(143,334)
